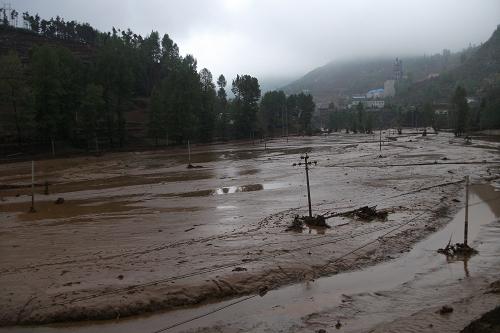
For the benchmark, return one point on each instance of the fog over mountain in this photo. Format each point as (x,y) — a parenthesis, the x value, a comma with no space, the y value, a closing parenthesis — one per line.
(280,40)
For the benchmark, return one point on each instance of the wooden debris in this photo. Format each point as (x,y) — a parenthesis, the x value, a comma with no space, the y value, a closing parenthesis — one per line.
(239,269)
(458,250)
(190,166)
(297,224)
(315,221)
(364,213)
(445,309)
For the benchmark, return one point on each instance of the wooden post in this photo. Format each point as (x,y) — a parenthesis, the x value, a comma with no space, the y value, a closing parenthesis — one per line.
(32,209)
(466,222)
(189,152)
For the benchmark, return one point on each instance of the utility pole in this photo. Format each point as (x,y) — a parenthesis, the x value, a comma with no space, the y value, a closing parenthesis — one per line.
(32,209)
(282,121)
(380,140)
(286,124)
(96,144)
(307,163)
(53,147)
(466,224)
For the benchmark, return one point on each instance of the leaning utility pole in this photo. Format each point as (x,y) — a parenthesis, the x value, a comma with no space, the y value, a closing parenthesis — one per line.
(307,164)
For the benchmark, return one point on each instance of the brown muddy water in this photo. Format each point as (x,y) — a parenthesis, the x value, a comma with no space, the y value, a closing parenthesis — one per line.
(360,300)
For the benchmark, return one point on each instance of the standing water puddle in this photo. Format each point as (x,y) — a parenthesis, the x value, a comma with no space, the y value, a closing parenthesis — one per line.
(382,293)
(232,190)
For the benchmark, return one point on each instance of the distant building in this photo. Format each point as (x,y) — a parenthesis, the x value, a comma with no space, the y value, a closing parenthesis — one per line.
(441,112)
(374,104)
(472,101)
(397,69)
(355,100)
(389,88)
(375,93)
(368,104)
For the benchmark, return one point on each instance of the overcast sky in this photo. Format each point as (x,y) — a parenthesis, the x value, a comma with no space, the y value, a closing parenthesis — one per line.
(287,38)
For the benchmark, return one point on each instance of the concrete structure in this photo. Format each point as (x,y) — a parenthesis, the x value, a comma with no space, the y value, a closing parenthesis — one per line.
(389,88)
(374,104)
(398,69)
(355,100)
(441,112)
(472,101)
(368,104)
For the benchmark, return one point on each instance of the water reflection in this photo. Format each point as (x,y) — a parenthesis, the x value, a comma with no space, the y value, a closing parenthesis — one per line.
(236,189)
(232,190)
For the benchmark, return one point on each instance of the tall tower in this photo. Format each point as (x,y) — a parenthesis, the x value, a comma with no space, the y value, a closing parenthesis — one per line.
(398,69)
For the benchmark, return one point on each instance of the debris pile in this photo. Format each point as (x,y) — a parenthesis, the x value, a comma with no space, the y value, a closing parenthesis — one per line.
(445,309)
(367,214)
(315,221)
(457,250)
(190,166)
(239,269)
(297,224)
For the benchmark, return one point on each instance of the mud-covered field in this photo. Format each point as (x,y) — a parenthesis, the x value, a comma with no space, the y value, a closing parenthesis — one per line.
(139,232)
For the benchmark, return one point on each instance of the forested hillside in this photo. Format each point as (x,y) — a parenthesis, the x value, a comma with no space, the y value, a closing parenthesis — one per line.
(477,74)
(357,76)
(63,83)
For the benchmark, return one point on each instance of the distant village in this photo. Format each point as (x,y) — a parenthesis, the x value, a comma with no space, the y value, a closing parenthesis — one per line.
(373,99)
(377,98)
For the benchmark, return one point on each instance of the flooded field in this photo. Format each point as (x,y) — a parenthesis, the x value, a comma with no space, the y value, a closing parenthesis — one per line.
(140,233)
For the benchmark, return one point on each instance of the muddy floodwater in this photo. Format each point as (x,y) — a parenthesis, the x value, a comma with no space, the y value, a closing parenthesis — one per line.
(144,244)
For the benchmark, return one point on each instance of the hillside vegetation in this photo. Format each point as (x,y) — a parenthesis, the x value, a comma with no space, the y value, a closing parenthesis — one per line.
(478,74)
(65,84)
(340,78)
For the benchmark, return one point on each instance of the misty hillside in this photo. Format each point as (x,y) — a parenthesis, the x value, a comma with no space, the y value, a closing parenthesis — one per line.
(335,79)
(478,74)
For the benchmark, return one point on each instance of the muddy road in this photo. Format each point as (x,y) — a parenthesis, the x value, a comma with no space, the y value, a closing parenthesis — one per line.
(138,232)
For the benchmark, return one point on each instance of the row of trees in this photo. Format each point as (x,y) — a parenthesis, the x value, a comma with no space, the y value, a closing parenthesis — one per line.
(56,96)
(58,28)
(458,115)
(356,121)
(8,18)
(281,114)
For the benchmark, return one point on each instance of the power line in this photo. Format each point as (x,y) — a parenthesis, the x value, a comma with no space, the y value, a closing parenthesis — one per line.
(322,268)
(205,314)
(229,265)
(411,164)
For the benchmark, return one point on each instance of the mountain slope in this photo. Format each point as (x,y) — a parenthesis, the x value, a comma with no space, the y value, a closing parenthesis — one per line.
(479,73)
(335,79)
